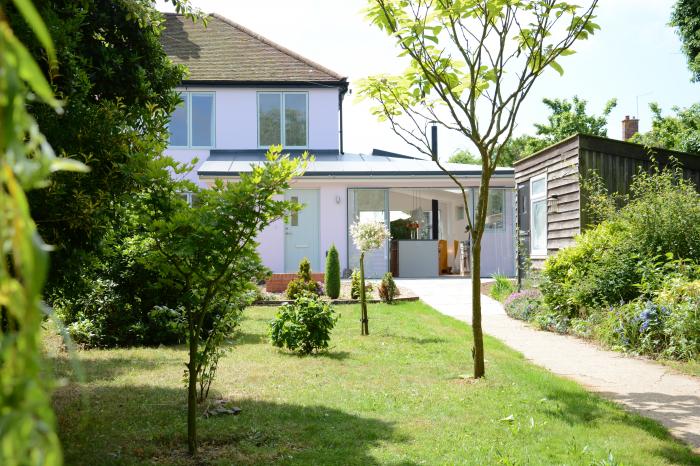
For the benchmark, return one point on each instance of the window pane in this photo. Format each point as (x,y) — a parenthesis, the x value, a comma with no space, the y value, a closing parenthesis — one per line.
(495,210)
(269,119)
(202,120)
(539,187)
(178,124)
(539,226)
(295,119)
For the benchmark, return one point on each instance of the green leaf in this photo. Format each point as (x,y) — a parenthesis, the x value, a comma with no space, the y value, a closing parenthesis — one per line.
(68,165)
(30,72)
(33,19)
(557,67)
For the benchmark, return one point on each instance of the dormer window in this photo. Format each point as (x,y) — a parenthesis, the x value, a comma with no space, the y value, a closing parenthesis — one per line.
(193,121)
(283,119)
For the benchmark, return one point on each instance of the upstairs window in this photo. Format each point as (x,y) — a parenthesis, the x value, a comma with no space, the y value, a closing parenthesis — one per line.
(283,119)
(193,121)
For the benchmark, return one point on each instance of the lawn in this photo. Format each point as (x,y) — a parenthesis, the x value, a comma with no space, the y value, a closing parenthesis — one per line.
(395,397)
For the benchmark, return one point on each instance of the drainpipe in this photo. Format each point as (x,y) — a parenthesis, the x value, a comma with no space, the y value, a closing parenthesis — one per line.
(341,94)
(434,140)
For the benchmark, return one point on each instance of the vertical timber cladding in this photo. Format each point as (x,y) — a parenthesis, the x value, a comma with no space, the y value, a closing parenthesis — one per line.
(560,162)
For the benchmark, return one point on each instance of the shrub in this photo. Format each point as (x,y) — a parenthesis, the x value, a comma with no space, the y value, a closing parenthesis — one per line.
(502,288)
(355,285)
(332,273)
(303,326)
(523,305)
(388,290)
(303,284)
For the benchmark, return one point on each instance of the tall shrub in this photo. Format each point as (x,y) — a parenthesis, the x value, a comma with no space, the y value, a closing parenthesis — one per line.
(332,273)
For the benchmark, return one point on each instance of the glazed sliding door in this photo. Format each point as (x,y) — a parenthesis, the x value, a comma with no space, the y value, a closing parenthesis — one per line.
(366,205)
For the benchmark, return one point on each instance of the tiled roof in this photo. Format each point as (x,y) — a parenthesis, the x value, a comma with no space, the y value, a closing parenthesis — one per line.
(228,52)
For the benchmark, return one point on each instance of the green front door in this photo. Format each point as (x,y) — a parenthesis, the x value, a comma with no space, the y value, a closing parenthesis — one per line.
(301,232)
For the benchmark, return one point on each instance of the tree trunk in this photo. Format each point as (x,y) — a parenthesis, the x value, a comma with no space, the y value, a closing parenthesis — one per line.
(363,297)
(192,392)
(478,350)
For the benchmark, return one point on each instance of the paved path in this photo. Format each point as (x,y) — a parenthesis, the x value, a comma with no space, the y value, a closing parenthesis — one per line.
(646,387)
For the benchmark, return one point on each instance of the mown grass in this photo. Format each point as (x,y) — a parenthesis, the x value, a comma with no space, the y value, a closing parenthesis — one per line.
(395,397)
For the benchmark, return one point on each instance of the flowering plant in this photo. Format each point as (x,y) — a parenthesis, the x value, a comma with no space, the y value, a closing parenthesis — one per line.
(369,235)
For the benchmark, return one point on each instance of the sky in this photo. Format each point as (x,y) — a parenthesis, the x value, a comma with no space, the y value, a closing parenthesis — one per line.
(635,57)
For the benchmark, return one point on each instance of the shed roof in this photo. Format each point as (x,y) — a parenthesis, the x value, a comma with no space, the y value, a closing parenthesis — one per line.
(226,52)
(328,163)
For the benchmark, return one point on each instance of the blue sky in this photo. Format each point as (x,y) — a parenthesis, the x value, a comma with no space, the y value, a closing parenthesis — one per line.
(635,54)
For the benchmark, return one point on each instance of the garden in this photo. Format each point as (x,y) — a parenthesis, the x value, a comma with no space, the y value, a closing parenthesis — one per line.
(400,396)
(632,280)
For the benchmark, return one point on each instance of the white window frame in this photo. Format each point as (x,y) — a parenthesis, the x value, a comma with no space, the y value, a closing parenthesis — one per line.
(187,98)
(283,123)
(539,198)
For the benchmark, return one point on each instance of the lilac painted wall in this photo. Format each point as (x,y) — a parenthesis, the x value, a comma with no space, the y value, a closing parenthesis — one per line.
(334,221)
(271,248)
(186,156)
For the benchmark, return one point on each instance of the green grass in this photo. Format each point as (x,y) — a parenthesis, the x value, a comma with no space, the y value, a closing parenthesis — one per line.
(395,397)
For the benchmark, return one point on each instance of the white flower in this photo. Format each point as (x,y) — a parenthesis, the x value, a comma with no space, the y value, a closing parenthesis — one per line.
(369,235)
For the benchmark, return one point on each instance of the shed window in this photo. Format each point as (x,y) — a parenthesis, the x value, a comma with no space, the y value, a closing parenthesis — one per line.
(283,119)
(193,121)
(538,219)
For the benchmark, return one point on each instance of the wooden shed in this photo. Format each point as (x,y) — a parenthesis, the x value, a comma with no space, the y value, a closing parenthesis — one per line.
(549,197)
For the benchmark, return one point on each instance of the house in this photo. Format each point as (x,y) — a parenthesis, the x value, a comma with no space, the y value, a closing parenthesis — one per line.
(551,208)
(245,93)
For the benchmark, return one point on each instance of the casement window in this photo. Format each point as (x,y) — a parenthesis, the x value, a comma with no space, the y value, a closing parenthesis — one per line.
(538,216)
(193,122)
(495,212)
(283,119)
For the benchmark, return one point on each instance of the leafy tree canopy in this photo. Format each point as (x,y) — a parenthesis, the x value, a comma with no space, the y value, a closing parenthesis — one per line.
(680,131)
(117,85)
(566,118)
(686,19)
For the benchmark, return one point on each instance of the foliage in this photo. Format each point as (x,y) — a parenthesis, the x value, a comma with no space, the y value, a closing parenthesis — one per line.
(27,424)
(368,236)
(303,283)
(118,86)
(388,291)
(303,326)
(355,285)
(597,204)
(631,253)
(208,252)
(686,18)
(471,64)
(567,117)
(502,287)
(399,229)
(523,305)
(679,132)
(332,277)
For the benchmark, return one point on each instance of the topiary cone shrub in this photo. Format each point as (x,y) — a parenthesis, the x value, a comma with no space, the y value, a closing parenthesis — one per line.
(333,273)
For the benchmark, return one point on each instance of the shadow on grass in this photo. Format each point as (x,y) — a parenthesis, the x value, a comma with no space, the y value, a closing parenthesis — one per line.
(143,424)
(250,339)
(583,408)
(416,340)
(93,369)
(328,354)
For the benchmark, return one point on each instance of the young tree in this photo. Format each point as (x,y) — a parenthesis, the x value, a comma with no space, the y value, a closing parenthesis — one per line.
(209,252)
(367,236)
(27,425)
(472,64)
